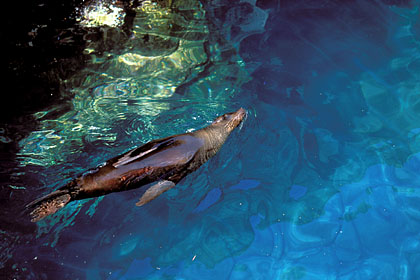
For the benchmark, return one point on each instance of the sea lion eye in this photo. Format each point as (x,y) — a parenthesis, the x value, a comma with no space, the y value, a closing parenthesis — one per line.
(222,118)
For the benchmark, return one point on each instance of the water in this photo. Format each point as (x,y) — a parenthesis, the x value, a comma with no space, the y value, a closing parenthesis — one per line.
(319,183)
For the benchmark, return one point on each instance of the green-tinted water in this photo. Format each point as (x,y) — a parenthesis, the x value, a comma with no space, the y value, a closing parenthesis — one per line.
(129,82)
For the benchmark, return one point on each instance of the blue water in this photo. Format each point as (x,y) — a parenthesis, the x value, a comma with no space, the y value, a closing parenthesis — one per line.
(320,182)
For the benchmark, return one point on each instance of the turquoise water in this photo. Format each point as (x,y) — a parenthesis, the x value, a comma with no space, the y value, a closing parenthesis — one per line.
(320,182)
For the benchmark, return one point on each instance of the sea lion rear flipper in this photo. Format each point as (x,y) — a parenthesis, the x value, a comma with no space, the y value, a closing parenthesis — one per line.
(154,191)
(48,204)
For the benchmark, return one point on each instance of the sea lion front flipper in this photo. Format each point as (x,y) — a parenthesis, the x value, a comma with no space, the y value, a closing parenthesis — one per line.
(154,191)
(143,151)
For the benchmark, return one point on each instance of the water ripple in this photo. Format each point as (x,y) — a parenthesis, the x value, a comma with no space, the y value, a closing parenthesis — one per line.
(121,94)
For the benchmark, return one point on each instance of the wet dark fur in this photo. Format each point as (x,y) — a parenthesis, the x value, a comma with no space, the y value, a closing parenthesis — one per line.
(169,159)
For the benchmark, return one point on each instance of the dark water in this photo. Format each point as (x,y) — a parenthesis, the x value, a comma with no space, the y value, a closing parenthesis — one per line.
(320,182)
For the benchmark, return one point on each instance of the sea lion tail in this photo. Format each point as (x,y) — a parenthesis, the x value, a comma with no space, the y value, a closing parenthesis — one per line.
(48,204)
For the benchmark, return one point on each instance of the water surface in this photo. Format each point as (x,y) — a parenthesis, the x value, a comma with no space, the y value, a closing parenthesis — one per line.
(319,183)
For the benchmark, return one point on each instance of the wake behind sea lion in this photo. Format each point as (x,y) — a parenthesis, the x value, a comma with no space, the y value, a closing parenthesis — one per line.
(165,161)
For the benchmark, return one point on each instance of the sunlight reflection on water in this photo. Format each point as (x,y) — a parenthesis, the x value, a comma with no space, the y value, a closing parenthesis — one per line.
(130,89)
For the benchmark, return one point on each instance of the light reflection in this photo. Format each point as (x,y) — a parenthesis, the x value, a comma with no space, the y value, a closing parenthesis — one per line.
(123,88)
(98,13)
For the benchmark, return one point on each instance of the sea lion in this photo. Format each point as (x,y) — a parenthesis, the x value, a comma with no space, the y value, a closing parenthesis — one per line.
(164,161)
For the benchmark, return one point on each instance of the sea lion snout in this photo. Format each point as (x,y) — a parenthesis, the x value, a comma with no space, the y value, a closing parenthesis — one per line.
(233,118)
(237,118)
(230,120)
(240,114)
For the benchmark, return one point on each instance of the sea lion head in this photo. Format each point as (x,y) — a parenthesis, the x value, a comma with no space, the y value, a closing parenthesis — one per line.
(230,121)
